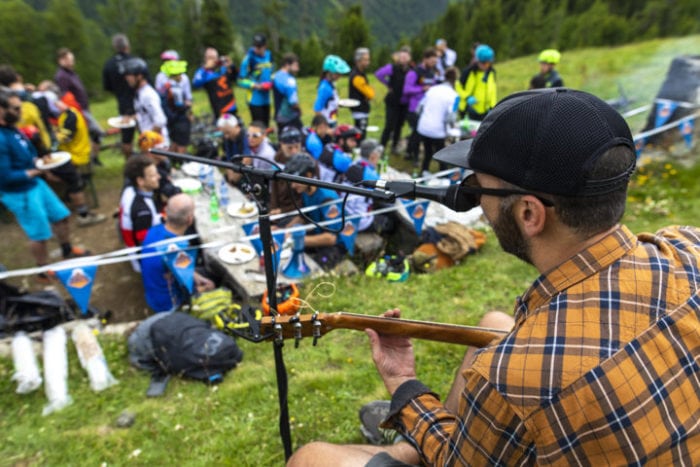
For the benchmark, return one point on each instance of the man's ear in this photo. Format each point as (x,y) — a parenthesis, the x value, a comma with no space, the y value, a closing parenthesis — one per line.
(531,214)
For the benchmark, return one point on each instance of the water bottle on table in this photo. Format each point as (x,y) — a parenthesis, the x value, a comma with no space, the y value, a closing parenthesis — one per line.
(223,194)
(213,207)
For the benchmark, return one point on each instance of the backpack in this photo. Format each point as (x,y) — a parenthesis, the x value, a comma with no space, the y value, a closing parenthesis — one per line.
(190,347)
(31,312)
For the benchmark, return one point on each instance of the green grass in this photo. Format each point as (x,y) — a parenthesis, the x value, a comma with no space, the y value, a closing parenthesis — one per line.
(236,423)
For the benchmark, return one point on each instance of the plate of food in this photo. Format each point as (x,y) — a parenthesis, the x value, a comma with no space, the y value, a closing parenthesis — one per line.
(121,121)
(242,209)
(188,185)
(193,169)
(236,253)
(53,160)
(348,102)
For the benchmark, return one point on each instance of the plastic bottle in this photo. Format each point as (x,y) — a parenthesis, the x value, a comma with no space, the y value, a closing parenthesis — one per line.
(223,193)
(203,174)
(213,207)
(210,180)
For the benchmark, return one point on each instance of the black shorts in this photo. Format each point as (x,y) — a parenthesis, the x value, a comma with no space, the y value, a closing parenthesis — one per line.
(68,173)
(179,130)
(128,135)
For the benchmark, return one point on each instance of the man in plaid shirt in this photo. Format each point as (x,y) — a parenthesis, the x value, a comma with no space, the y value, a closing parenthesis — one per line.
(601,364)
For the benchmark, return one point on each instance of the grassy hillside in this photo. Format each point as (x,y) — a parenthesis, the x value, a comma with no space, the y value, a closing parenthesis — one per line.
(236,423)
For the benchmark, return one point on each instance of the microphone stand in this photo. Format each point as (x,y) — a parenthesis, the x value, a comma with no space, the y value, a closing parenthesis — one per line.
(260,180)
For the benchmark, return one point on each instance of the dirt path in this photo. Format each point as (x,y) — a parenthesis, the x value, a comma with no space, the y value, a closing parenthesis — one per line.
(117,287)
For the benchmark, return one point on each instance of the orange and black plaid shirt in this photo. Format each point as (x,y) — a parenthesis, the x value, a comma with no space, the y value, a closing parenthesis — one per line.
(601,368)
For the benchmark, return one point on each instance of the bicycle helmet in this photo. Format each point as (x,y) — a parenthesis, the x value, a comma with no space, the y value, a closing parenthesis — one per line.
(135,66)
(174,67)
(346,131)
(170,55)
(550,56)
(259,40)
(335,64)
(290,134)
(149,140)
(300,164)
(484,53)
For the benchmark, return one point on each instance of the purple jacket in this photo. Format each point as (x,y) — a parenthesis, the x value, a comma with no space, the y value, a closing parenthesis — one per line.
(68,80)
(416,78)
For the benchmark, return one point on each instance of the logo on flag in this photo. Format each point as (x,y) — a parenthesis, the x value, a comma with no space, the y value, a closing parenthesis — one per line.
(348,234)
(416,211)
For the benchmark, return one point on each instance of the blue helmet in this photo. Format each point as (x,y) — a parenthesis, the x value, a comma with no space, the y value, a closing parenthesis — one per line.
(335,64)
(484,53)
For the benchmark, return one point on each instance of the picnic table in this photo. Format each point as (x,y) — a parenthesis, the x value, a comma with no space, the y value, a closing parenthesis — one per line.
(246,279)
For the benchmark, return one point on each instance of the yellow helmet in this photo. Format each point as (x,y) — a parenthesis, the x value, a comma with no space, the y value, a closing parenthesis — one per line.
(149,140)
(174,67)
(551,56)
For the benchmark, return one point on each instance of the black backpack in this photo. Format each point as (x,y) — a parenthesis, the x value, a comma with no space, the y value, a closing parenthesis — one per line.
(29,312)
(190,347)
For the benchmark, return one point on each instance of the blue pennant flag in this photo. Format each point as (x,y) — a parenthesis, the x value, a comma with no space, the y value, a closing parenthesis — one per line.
(687,127)
(330,212)
(277,242)
(639,146)
(348,234)
(456,176)
(417,211)
(664,110)
(181,264)
(253,228)
(78,282)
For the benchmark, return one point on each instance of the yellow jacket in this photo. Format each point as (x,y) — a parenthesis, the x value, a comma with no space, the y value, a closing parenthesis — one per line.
(485,92)
(73,136)
(31,116)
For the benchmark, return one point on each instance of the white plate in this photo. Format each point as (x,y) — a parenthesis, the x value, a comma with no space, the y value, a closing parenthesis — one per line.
(121,122)
(57,160)
(193,168)
(236,253)
(242,210)
(348,102)
(372,128)
(188,185)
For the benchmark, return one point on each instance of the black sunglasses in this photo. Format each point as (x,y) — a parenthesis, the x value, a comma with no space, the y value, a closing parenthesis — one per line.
(470,188)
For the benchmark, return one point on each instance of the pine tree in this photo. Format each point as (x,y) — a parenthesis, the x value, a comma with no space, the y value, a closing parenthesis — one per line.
(349,32)
(217,30)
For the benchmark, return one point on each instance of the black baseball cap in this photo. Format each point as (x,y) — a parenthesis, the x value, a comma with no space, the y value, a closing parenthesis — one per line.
(546,140)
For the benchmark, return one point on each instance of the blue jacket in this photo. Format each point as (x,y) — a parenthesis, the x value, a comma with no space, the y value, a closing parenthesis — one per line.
(256,69)
(16,157)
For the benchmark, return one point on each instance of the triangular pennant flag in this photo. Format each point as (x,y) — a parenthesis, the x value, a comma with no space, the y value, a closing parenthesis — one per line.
(417,211)
(78,282)
(639,146)
(664,110)
(687,127)
(330,212)
(277,242)
(253,228)
(348,234)
(181,264)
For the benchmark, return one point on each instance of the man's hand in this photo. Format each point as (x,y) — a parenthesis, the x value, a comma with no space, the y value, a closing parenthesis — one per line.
(202,283)
(393,356)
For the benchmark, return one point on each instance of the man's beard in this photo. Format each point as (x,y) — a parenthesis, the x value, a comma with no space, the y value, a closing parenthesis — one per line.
(509,235)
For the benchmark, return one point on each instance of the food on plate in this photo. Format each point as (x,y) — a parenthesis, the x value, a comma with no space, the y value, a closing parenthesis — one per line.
(246,208)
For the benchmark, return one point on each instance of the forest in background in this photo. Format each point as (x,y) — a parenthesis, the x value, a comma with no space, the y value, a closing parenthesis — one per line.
(32,30)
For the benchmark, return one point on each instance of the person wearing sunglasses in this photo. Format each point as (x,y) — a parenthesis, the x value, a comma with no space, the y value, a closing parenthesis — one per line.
(598,363)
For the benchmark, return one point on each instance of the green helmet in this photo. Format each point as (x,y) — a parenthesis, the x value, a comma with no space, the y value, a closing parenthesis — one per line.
(550,56)
(335,64)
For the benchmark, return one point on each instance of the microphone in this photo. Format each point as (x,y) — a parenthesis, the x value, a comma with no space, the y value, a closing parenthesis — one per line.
(452,196)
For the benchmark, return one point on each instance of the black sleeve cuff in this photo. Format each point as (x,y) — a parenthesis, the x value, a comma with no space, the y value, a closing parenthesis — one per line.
(405,393)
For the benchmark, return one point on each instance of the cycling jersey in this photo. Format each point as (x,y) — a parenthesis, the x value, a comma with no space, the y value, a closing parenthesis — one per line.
(327,101)
(256,69)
